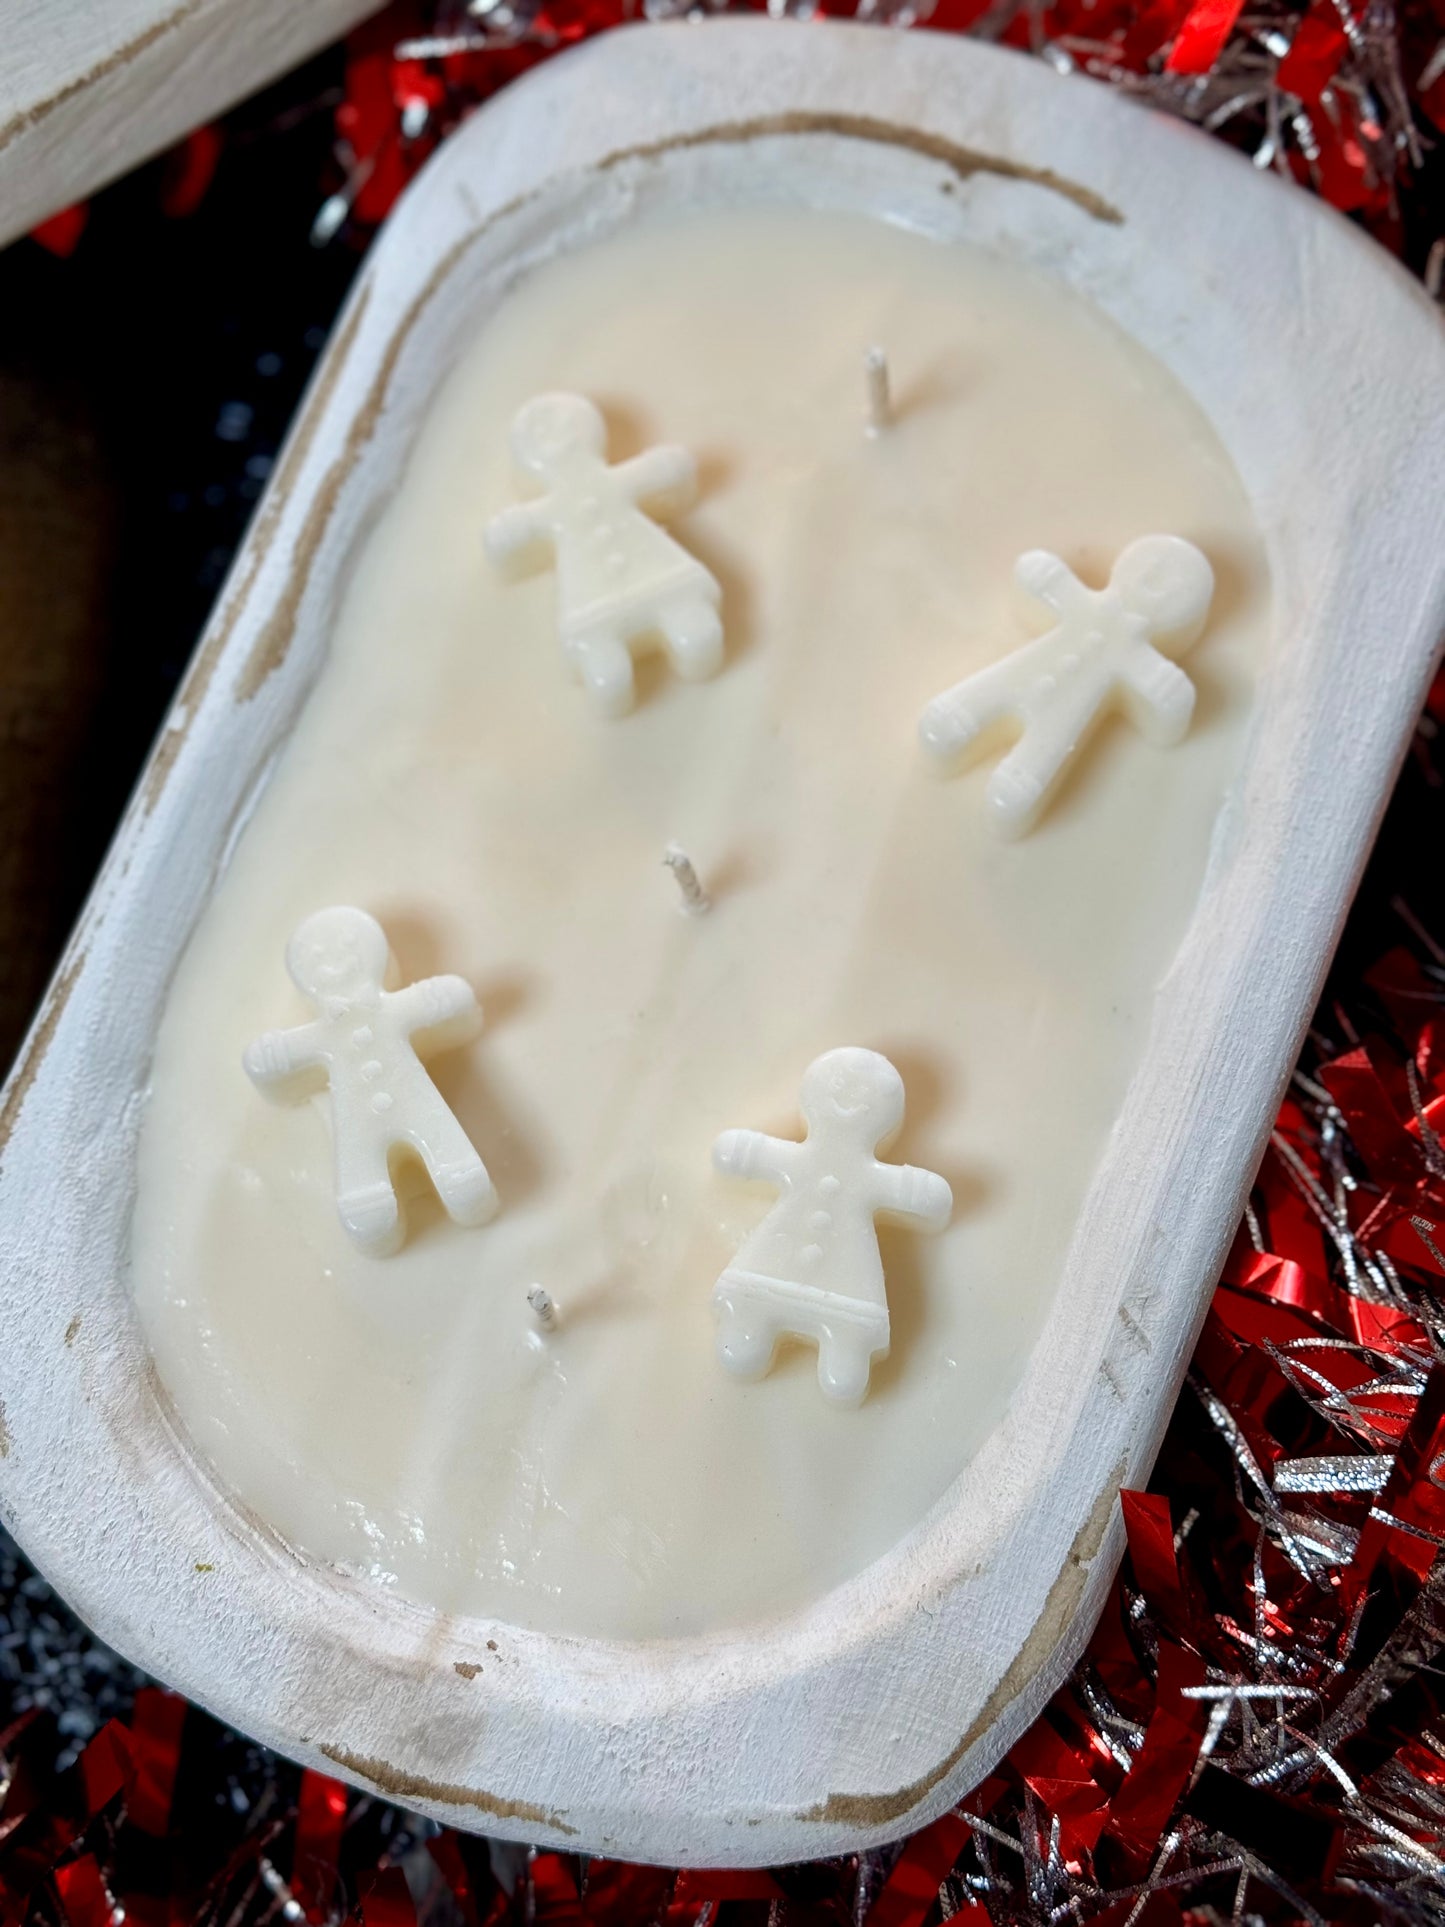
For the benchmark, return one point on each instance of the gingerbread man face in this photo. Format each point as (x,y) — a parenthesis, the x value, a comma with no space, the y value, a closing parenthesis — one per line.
(852,1093)
(338,953)
(553,431)
(1168,585)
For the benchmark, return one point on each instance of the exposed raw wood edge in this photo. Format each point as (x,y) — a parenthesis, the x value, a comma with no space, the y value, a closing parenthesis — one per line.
(1051,1626)
(398,1783)
(88,92)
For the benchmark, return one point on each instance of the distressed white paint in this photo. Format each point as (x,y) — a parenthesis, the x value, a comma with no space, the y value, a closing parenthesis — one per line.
(88,90)
(863,1716)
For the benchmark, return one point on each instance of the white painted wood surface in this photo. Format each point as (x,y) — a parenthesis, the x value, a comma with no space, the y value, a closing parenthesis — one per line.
(89,88)
(1322,367)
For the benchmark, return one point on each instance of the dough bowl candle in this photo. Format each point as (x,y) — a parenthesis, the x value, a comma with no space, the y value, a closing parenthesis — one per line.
(510,728)
(639,1345)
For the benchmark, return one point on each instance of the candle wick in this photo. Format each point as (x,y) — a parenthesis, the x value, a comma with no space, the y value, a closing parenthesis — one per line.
(694,898)
(880,406)
(544,1307)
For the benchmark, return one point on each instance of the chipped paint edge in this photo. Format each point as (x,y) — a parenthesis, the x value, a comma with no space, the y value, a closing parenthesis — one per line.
(416,1789)
(872,1810)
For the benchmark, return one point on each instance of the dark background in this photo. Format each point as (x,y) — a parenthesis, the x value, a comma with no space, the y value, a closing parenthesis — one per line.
(146,381)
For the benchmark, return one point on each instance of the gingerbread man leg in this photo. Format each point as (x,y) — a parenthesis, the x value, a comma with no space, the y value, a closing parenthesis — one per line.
(693,632)
(844,1361)
(1021,784)
(462,1181)
(747,1332)
(366,1196)
(602,663)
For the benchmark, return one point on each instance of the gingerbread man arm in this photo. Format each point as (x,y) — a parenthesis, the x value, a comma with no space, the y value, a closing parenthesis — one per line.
(905,1191)
(666,477)
(445,1008)
(1157,694)
(1046,578)
(513,531)
(755,1155)
(280,1063)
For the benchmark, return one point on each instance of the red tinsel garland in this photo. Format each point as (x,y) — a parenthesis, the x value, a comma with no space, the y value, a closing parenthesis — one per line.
(1343,95)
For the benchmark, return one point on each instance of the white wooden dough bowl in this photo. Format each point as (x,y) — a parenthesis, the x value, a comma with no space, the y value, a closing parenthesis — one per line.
(1321,367)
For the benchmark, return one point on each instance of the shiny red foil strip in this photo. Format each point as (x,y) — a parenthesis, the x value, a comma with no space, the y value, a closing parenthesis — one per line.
(1140,1811)
(155,1746)
(616,1890)
(82,1892)
(189,171)
(911,1892)
(1200,41)
(386,1899)
(61,233)
(1319,46)
(320,1818)
(553,1891)
(106,1766)
(461,1882)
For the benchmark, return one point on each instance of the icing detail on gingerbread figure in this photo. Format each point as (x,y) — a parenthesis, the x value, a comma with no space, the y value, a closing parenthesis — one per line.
(1110,648)
(621,580)
(812,1268)
(361,1047)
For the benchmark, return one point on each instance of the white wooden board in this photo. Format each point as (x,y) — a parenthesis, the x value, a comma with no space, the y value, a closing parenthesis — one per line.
(1322,367)
(89,88)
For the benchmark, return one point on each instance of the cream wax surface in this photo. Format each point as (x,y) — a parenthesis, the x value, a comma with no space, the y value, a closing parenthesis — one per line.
(403,1417)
